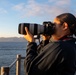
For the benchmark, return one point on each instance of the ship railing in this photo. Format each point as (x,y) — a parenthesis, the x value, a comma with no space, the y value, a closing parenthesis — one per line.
(6,69)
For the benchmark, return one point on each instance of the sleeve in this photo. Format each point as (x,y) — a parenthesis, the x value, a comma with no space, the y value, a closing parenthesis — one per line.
(31,53)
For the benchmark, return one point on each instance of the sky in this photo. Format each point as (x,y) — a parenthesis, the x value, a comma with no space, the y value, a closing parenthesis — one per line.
(13,12)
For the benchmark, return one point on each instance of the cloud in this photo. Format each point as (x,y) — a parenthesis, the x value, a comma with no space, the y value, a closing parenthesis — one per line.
(19,7)
(52,7)
(59,1)
(2,11)
(30,9)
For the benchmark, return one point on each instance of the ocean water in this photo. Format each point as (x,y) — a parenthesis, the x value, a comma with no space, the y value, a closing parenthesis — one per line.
(8,53)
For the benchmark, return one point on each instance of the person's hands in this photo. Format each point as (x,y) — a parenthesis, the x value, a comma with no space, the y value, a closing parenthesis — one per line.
(45,37)
(29,37)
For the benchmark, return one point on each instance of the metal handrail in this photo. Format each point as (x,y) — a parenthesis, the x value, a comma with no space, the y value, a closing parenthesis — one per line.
(10,66)
(5,69)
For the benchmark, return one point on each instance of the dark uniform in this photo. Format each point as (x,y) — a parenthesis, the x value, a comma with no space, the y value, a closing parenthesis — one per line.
(55,58)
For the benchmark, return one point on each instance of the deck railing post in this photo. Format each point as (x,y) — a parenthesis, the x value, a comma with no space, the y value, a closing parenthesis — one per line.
(18,65)
(5,70)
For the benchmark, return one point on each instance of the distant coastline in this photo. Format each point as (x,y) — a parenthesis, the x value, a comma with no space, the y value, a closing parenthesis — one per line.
(12,39)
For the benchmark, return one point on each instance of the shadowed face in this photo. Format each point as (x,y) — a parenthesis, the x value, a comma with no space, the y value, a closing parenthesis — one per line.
(61,29)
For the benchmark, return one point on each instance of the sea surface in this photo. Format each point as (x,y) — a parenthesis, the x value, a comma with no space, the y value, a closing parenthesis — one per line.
(8,53)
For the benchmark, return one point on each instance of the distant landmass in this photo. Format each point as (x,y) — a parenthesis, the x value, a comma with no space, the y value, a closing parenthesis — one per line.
(12,39)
